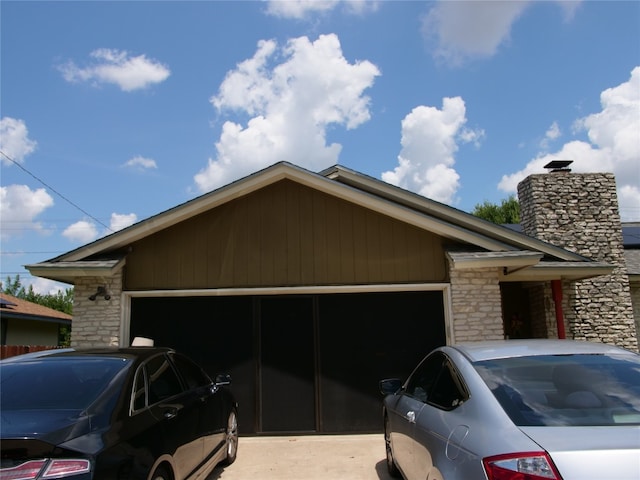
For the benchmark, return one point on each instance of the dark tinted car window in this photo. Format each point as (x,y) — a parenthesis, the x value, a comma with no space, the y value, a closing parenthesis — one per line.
(424,377)
(52,383)
(191,373)
(139,391)
(448,392)
(567,390)
(163,380)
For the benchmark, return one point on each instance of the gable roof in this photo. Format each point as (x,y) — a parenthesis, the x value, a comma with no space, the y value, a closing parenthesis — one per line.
(18,308)
(508,248)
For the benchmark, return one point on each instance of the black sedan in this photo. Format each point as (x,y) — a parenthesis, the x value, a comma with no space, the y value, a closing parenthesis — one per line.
(129,413)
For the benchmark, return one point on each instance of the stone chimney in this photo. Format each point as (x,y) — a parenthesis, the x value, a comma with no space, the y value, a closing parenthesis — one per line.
(579,212)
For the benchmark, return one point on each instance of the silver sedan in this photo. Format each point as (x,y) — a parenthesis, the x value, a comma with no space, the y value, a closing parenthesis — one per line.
(517,409)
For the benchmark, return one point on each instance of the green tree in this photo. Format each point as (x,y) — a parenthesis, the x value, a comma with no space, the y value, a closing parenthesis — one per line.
(61,301)
(507,212)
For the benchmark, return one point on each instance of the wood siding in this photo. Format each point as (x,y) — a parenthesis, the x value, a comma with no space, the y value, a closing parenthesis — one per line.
(285,234)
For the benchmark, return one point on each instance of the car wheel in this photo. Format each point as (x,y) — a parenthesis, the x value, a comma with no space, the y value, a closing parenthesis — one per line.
(231,438)
(161,473)
(391,463)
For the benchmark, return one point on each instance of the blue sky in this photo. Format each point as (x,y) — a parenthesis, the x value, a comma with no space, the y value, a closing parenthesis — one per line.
(112,112)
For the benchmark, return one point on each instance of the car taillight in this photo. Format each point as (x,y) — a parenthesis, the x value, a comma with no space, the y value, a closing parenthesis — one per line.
(24,471)
(52,468)
(59,468)
(521,466)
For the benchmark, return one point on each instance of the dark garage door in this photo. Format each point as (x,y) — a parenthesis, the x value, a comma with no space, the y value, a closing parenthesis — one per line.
(300,363)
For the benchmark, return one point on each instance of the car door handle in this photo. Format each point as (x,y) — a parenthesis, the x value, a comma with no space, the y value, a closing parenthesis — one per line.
(411,416)
(170,410)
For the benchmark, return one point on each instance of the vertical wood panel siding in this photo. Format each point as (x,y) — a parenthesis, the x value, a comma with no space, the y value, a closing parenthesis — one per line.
(285,235)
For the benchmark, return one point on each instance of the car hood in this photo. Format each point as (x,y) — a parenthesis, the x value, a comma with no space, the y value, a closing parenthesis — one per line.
(591,453)
(51,426)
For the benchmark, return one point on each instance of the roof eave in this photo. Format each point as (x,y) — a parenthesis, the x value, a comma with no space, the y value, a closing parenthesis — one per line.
(68,271)
(259,180)
(462,219)
(543,271)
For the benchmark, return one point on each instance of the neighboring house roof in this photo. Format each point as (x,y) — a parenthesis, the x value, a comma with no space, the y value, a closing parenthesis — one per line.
(17,308)
(507,248)
(631,234)
(631,241)
(632,258)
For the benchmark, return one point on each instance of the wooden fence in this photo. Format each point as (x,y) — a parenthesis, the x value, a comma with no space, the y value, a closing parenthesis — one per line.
(7,351)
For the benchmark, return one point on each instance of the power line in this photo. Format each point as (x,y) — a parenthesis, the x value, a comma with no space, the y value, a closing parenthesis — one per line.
(53,190)
(31,253)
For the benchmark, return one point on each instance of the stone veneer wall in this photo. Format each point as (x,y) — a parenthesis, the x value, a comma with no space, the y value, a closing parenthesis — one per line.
(96,323)
(579,212)
(476,304)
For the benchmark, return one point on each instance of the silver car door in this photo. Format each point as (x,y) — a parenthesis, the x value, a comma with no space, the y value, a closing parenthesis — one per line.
(418,388)
(440,430)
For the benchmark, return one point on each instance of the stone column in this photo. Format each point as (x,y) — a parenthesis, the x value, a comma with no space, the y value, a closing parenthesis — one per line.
(579,212)
(96,323)
(475,304)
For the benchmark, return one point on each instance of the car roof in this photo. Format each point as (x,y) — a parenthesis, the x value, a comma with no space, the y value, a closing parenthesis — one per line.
(488,350)
(141,353)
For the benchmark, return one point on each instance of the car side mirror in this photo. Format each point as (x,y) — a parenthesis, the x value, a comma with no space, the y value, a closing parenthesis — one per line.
(390,386)
(223,379)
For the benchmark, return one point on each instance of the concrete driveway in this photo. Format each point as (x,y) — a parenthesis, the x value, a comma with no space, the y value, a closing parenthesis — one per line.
(316,457)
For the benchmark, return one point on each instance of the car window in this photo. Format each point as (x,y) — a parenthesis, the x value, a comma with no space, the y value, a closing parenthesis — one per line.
(52,383)
(566,390)
(163,380)
(448,391)
(139,400)
(424,377)
(191,373)
(436,382)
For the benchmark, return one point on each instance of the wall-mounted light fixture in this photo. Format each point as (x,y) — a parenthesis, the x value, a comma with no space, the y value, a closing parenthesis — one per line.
(100,292)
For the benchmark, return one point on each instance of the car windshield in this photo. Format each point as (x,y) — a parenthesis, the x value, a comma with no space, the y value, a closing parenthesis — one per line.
(51,383)
(566,390)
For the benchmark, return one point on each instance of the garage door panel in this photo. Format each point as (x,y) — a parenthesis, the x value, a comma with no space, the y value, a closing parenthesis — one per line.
(216,332)
(364,338)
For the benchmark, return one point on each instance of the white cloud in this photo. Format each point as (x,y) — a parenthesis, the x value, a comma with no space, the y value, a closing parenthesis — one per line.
(119,68)
(82,231)
(613,146)
(14,140)
(19,207)
(429,142)
(120,221)
(459,31)
(291,104)
(300,9)
(44,286)
(85,231)
(141,163)
(552,133)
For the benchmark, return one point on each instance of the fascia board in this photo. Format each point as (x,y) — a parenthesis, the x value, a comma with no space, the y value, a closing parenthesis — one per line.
(400,212)
(519,260)
(463,219)
(179,213)
(557,271)
(266,177)
(68,270)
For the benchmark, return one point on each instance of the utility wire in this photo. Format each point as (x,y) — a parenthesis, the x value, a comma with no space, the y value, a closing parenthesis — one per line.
(53,190)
